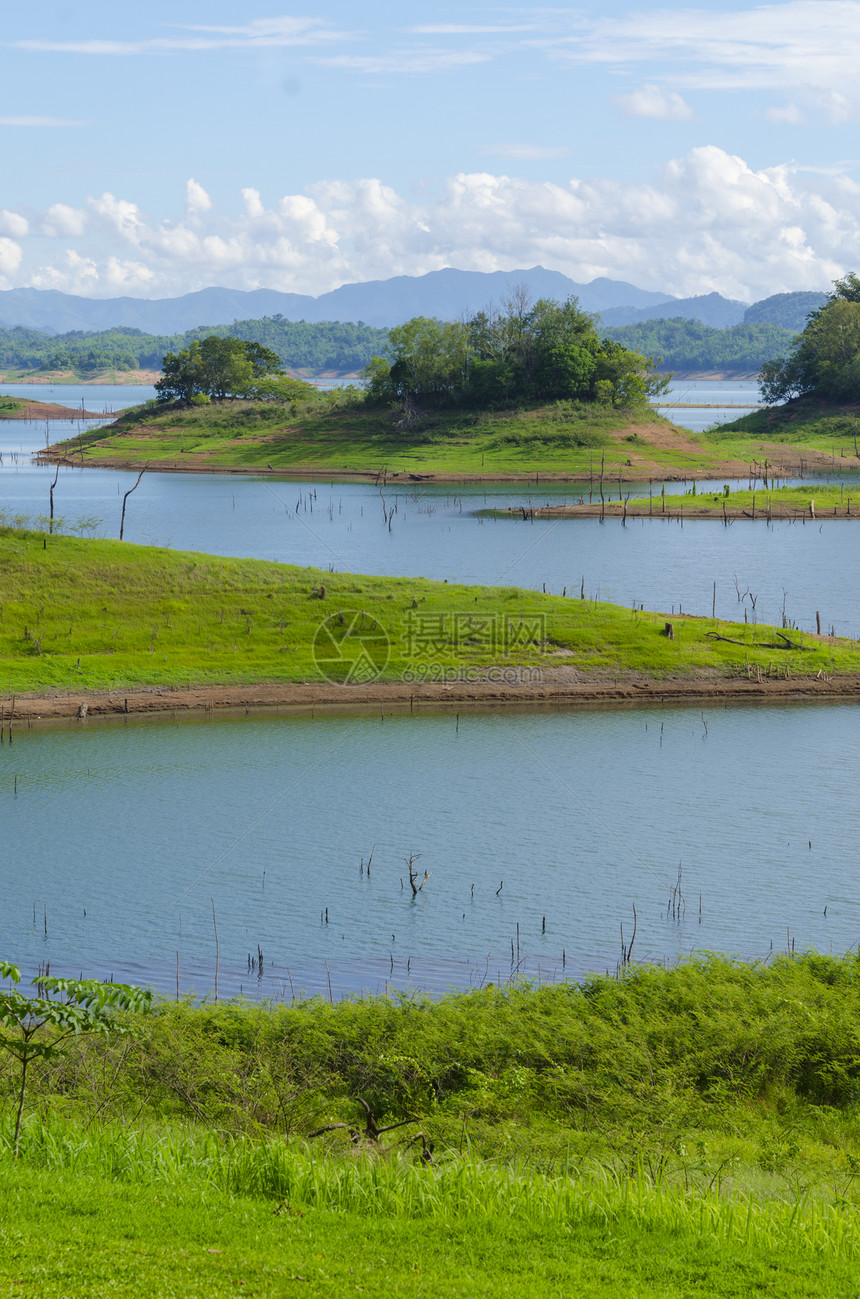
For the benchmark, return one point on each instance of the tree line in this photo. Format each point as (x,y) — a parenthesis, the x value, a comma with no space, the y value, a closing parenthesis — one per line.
(825,359)
(681,344)
(524,351)
(329,345)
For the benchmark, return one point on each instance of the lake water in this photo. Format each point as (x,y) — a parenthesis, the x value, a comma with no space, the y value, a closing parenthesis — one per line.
(722,400)
(122,835)
(438,532)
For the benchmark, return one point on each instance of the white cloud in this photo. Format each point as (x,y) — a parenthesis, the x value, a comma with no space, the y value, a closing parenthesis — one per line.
(651,101)
(10,256)
(526,152)
(404,62)
(472,29)
(196,198)
(802,46)
(260,33)
(705,221)
(786,115)
(12,223)
(40,121)
(61,221)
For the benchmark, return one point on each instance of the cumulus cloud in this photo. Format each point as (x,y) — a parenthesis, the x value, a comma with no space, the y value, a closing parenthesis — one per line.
(61,221)
(651,101)
(705,221)
(12,223)
(10,256)
(196,198)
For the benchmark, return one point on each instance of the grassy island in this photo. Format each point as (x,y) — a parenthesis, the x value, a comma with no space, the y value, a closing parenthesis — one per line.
(83,615)
(342,436)
(765,503)
(660,1133)
(338,435)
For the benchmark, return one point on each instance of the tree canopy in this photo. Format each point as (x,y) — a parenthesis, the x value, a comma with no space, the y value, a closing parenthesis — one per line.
(682,344)
(540,352)
(825,359)
(226,367)
(314,347)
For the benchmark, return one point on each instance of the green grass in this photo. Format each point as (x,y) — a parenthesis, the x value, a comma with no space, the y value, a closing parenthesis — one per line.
(92,614)
(806,422)
(339,433)
(670,1132)
(64,1235)
(763,503)
(9,406)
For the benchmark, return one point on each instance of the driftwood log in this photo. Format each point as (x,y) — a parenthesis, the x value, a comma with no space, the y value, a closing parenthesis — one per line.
(783,643)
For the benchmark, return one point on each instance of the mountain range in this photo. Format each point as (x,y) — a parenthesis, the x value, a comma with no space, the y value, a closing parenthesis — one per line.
(448,294)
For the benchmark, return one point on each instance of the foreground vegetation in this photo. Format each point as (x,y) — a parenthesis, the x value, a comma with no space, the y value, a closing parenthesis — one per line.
(104,615)
(666,1132)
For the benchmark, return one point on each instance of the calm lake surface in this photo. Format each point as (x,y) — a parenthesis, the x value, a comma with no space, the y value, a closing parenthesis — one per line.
(438,532)
(123,834)
(723,399)
(120,836)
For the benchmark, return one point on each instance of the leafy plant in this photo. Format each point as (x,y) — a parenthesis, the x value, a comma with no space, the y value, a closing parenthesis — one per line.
(38,1027)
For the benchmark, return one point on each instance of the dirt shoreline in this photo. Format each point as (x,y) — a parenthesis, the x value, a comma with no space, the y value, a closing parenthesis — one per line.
(564,688)
(48,410)
(620,510)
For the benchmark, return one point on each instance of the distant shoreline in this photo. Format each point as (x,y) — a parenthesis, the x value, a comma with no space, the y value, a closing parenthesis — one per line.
(121,378)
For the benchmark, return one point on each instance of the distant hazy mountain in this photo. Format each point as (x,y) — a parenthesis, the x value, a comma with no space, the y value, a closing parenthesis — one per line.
(711,308)
(786,309)
(447,294)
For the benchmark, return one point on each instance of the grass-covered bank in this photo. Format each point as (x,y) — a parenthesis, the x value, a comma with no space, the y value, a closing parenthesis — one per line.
(681,1131)
(82,614)
(341,434)
(804,424)
(764,503)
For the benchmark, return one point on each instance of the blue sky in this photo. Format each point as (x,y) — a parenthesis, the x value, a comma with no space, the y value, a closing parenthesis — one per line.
(155,150)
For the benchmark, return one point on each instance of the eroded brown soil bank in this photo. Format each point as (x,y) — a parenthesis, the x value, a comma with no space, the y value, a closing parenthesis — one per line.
(564,687)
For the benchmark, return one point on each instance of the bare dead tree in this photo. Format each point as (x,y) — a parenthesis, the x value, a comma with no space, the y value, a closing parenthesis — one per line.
(51,498)
(372,1130)
(125,498)
(413,874)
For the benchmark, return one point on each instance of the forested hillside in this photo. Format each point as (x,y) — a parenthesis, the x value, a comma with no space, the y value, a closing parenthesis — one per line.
(688,345)
(310,348)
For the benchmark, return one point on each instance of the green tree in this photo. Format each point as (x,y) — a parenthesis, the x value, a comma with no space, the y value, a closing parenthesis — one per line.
(524,352)
(216,367)
(39,1028)
(825,359)
(182,374)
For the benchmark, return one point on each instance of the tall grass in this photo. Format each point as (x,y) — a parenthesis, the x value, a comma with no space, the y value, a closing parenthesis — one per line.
(460,1188)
